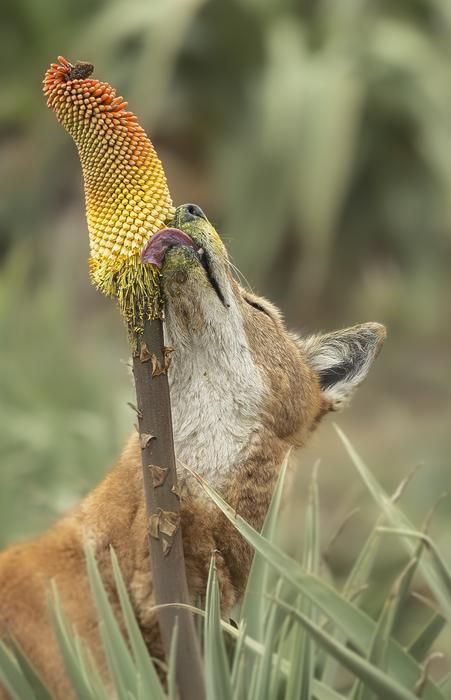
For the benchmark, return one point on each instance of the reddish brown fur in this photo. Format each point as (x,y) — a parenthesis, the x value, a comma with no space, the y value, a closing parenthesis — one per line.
(114,513)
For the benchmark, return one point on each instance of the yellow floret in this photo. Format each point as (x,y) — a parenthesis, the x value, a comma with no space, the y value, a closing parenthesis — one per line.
(126,193)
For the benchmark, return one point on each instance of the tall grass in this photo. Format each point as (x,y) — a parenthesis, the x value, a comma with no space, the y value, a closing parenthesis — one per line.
(298,637)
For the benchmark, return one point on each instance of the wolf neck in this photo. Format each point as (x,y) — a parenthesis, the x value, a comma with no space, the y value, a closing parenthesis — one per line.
(217,391)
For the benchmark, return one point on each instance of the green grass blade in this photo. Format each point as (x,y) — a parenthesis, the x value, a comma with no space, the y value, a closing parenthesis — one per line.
(265,667)
(255,604)
(12,676)
(144,665)
(355,624)
(312,555)
(361,570)
(356,583)
(445,686)
(379,681)
(239,692)
(217,672)
(312,558)
(320,691)
(275,687)
(298,659)
(357,580)
(302,646)
(420,646)
(430,632)
(75,663)
(89,669)
(279,677)
(172,683)
(250,692)
(238,657)
(399,520)
(353,588)
(390,612)
(255,607)
(404,584)
(120,663)
(141,692)
(437,566)
(38,687)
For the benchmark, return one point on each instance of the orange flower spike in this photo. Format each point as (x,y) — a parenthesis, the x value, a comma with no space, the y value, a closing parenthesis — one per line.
(126,193)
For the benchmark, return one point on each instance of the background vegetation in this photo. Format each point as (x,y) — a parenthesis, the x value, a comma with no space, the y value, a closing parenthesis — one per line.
(317,136)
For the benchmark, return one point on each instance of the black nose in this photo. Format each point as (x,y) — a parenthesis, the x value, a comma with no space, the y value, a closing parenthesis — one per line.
(190,212)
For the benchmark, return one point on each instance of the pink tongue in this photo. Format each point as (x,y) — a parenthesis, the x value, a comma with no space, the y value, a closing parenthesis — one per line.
(156,248)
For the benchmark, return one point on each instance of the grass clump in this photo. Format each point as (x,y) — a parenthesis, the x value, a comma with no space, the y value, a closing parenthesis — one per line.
(297,636)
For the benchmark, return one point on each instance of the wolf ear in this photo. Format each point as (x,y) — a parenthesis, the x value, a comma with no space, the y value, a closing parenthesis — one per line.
(342,359)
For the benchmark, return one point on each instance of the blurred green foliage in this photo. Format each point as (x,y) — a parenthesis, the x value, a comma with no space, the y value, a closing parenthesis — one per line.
(317,136)
(61,420)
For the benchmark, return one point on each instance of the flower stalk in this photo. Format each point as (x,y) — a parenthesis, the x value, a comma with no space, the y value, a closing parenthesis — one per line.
(127,201)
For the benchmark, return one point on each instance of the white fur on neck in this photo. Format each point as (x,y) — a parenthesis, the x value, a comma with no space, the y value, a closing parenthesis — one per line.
(216,389)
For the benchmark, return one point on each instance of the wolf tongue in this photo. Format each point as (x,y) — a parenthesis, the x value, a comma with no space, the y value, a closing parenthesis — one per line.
(156,248)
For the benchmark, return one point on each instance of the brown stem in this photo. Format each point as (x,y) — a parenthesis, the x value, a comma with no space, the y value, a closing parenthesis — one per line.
(150,363)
